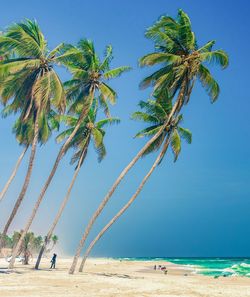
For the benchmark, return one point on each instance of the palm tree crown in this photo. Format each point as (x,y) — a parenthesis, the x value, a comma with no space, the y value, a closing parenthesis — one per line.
(24,131)
(28,77)
(89,129)
(181,59)
(156,113)
(90,76)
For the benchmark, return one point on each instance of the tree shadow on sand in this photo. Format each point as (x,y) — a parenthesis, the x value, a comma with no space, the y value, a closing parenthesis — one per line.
(117,275)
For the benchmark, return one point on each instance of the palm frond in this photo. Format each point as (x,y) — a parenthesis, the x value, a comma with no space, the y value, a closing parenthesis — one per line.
(217,57)
(207,47)
(113,73)
(145,117)
(156,58)
(108,121)
(186,36)
(149,131)
(209,83)
(175,144)
(107,93)
(107,59)
(64,134)
(186,134)
(155,145)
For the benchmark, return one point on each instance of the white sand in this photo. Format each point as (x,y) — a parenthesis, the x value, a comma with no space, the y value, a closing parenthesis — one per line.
(106,277)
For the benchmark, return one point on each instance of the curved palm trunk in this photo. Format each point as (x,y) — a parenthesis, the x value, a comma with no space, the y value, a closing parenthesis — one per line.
(117,182)
(47,183)
(3,192)
(62,207)
(126,206)
(26,181)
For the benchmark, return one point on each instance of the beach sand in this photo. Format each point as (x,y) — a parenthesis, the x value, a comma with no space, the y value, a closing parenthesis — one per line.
(111,278)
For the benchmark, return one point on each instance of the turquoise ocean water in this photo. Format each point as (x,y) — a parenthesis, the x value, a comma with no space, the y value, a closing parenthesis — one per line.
(208,266)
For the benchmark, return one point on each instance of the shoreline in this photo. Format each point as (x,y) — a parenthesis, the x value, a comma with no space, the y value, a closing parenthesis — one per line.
(105,277)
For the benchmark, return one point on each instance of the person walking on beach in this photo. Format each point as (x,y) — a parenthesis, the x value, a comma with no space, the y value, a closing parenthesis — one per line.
(53,261)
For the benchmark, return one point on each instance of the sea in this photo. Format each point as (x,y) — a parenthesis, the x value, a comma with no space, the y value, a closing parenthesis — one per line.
(208,266)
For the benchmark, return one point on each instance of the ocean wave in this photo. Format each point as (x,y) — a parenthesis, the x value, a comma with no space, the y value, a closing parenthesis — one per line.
(245,265)
(206,266)
(217,267)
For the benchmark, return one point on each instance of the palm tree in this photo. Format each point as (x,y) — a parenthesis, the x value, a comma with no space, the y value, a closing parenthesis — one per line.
(29,80)
(24,135)
(89,129)
(156,114)
(182,62)
(31,244)
(89,81)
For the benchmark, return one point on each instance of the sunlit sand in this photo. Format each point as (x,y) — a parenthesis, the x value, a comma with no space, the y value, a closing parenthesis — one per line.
(108,277)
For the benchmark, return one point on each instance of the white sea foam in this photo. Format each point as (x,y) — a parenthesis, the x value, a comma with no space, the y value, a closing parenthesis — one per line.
(228,270)
(245,265)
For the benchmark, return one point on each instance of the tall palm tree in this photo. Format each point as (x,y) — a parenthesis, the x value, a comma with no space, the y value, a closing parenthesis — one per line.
(89,129)
(24,135)
(156,114)
(89,81)
(29,84)
(182,63)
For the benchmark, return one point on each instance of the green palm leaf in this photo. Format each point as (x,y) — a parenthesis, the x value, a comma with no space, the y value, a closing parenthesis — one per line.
(209,83)
(217,57)
(108,93)
(108,121)
(186,134)
(175,144)
(187,37)
(156,58)
(142,116)
(116,72)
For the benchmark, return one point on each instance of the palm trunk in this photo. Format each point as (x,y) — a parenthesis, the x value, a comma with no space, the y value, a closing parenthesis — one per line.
(65,200)
(117,182)
(126,206)
(26,181)
(44,189)
(2,194)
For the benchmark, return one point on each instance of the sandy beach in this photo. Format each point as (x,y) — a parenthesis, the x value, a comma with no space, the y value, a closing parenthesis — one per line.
(109,278)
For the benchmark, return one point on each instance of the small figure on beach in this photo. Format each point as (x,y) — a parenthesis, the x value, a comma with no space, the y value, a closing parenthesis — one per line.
(155,267)
(53,261)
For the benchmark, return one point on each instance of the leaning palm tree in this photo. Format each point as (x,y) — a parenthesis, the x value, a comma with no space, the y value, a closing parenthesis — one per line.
(182,63)
(90,76)
(29,84)
(156,114)
(24,135)
(89,130)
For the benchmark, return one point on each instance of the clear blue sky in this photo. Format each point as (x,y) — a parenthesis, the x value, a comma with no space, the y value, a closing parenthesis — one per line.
(198,206)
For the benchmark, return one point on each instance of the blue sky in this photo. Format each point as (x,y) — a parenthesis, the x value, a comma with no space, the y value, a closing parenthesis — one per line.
(198,206)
